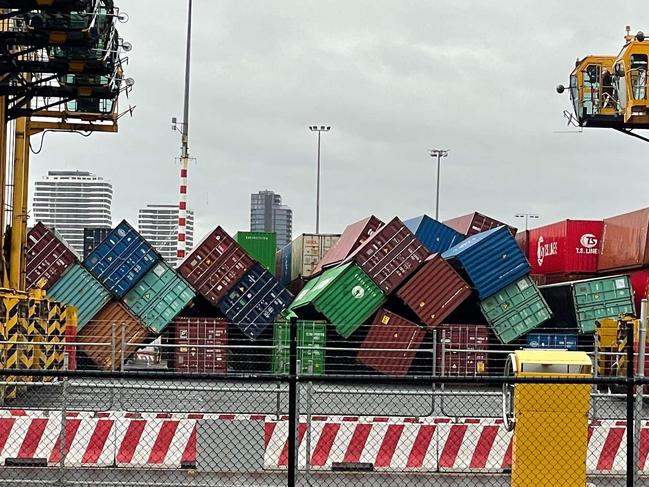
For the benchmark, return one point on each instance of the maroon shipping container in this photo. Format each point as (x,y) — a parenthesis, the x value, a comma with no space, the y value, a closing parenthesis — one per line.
(434,291)
(200,345)
(568,246)
(352,238)
(215,265)
(547,279)
(464,352)
(475,223)
(390,332)
(48,256)
(625,241)
(523,241)
(390,255)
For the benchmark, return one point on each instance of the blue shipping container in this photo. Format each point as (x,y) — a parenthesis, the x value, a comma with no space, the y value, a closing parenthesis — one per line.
(435,236)
(492,260)
(77,287)
(255,301)
(121,259)
(286,260)
(552,341)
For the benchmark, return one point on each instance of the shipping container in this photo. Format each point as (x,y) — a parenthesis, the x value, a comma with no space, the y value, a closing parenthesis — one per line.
(568,246)
(311,341)
(306,252)
(114,324)
(390,255)
(391,344)
(352,238)
(261,246)
(515,310)
(71,322)
(48,256)
(582,303)
(640,285)
(625,241)
(121,259)
(255,301)
(343,295)
(92,237)
(435,236)
(215,265)
(523,241)
(546,279)
(201,345)
(491,260)
(285,262)
(560,341)
(463,350)
(475,223)
(158,297)
(79,288)
(434,291)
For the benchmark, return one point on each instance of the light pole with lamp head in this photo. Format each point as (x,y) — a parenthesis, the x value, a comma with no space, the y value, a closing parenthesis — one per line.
(319,129)
(439,153)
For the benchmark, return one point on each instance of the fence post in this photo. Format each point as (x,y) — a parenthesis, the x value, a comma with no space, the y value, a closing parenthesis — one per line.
(292,403)
(630,406)
(63,432)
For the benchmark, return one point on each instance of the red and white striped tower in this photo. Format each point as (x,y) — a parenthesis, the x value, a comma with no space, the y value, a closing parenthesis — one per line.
(182,209)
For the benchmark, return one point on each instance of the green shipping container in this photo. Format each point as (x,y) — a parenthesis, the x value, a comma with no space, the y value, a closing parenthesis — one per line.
(260,246)
(311,340)
(515,310)
(344,295)
(158,297)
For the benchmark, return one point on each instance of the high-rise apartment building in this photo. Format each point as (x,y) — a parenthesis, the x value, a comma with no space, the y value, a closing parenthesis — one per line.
(267,214)
(70,201)
(159,225)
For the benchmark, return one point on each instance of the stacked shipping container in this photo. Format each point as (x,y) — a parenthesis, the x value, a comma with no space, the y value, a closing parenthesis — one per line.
(47,257)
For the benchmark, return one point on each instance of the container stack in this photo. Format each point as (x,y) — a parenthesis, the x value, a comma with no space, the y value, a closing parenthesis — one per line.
(48,256)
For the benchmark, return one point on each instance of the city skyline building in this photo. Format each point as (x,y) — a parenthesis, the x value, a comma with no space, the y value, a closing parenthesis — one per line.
(268,214)
(158,224)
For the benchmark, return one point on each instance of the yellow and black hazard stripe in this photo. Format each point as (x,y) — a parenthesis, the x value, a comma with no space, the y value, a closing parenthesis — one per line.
(59,350)
(13,336)
(54,337)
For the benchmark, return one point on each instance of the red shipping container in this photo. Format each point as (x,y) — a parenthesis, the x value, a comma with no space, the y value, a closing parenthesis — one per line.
(390,255)
(352,238)
(523,241)
(640,285)
(215,265)
(390,331)
(465,350)
(201,345)
(568,246)
(434,291)
(48,256)
(474,223)
(562,277)
(625,241)
(70,346)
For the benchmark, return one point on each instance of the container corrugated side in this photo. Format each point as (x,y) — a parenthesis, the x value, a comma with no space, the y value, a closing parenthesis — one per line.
(475,223)
(435,236)
(312,338)
(515,310)
(344,295)
(201,345)
(434,291)
(307,251)
(121,259)
(215,265)
(640,285)
(158,297)
(463,350)
(255,302)
(391,344)
(92,237)
(79,288)
(523,241)
(286,260)
(47,257)
(559,341)
(353,236)
(113,323)
(261,246)
(625,241)
(390,255)
(491,260)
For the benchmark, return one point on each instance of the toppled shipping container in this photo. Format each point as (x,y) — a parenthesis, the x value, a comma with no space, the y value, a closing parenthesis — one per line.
(311,341)
(261,246)
(475,223)
(515,310)
(625,241)
(582,303)
(201,345)
(390,255)
(92,238)
(121,259)
(79,288)
(352,238)
(568,246)
(491,260)
(435,236)
(255,301)
(48,256)
(462,350)
(640,285)
(434,291)
(343,295)
(552,341)
(523,240)
(158,297)
(215,265)
(307,250)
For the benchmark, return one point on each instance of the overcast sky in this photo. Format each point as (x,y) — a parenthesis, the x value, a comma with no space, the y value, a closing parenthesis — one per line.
(393,78)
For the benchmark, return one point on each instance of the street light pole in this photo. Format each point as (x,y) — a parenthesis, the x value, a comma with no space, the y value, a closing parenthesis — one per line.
(526,216)
(438,153)
(319,129)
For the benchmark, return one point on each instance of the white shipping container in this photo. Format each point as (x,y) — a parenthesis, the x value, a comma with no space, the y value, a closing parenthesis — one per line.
(307,250)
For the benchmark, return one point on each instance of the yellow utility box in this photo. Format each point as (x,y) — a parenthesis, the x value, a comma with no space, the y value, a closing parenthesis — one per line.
(550,420)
